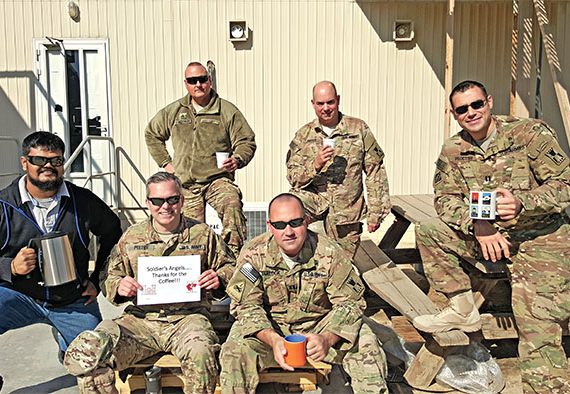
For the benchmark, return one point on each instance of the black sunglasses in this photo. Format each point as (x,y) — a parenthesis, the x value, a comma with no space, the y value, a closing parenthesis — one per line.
(478,104)
(158,201)
(41,161)
(195,80)
(294,223)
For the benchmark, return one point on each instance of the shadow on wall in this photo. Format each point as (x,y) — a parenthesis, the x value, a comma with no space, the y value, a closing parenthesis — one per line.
(13,129)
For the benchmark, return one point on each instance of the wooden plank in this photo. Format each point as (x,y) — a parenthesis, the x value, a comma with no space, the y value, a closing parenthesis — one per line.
(403,255)
(406,330)
(291,377)
(498,326)
(396,288)
(424,202)
(425,367)
(404,206)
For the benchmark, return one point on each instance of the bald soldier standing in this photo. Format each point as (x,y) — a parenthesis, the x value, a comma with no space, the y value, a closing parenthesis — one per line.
(201,124)
(522,161)
(291,280)
(325,163)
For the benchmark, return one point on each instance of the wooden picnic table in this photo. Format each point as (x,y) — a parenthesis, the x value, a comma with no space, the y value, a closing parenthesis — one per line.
(377,265)
(415,208)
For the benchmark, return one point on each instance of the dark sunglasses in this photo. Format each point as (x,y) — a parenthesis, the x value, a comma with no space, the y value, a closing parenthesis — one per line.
(195,80)
(294,223)
(41,161)
(462,109)
(158,201)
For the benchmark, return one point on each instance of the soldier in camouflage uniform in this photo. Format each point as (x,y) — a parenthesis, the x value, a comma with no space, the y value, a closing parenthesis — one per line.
(522,160)
(201,124)
(182,329)
(291,280)
(329,179)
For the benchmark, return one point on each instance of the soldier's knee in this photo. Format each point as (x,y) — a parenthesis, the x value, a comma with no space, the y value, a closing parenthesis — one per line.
(89,350)
(429,229)
(100,381)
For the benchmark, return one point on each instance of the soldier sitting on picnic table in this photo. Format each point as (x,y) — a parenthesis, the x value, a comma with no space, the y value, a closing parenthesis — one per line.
(292,280)
(522,161)
(183,328)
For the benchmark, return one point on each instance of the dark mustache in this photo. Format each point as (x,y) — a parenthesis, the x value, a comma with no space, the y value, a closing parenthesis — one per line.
(48,170)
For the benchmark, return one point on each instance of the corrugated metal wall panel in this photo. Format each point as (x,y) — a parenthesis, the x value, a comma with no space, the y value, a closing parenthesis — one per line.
(396,89)
(559,13)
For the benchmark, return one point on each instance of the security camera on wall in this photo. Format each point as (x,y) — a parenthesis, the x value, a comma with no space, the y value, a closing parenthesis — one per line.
(403,30)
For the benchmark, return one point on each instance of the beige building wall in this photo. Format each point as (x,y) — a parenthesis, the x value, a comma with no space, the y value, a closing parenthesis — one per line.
(396,88)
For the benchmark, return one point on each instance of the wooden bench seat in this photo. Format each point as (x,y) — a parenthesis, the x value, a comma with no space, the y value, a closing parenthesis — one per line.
(388,281)
(304,378)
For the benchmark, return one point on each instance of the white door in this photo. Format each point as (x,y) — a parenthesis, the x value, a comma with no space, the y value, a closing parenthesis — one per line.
(72,100)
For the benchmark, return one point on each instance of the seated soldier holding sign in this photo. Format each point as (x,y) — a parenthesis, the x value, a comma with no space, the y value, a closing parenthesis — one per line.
(181,328)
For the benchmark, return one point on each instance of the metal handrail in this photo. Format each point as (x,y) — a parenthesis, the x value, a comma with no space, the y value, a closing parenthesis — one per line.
(119,151)
(90,175)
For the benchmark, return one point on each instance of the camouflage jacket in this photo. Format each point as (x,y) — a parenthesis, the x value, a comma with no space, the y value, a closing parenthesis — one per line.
(142,240)
(340,180)
(524,157)
(196,137)
(324,294)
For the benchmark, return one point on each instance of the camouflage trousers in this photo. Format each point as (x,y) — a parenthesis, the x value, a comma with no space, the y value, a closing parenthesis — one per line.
(318,208)
(242,358)
(540,280)
(226,199)
(118,344)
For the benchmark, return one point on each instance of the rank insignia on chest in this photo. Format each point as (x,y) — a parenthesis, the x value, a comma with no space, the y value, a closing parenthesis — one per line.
(183,116)
(249,272)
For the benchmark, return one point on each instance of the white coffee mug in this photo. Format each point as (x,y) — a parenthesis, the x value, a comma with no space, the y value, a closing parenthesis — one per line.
(221,157)
(329,142)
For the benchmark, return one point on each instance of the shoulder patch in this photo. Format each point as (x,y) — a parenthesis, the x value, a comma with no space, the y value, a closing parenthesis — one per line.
(556,157)
(249,272)
(235,291)
(355,285)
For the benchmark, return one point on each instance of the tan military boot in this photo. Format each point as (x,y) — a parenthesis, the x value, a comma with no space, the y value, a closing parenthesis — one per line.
(461,314)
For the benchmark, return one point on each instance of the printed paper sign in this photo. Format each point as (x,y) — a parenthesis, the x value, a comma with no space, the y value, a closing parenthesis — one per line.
(168,279)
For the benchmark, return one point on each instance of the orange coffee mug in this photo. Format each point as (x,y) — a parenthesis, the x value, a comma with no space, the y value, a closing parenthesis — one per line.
(296,350)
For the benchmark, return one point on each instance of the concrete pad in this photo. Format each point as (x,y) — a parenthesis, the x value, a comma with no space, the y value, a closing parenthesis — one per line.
(29,365)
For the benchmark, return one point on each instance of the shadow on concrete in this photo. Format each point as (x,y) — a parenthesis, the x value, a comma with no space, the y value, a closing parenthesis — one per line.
(51,386)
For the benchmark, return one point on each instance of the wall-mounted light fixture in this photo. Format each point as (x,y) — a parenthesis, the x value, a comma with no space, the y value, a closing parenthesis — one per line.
(73,10)
(238,31)
(403,30)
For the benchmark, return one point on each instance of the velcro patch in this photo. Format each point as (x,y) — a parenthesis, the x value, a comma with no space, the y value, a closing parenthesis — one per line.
(249,272)
(556,157)
(437,178)
(235,291)
(354,285)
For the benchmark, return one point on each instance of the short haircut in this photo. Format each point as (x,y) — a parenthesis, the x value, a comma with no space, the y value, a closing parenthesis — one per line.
(197,64)
(163,176)
(42,140)
(325,82)
(286,197)
(466,85)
